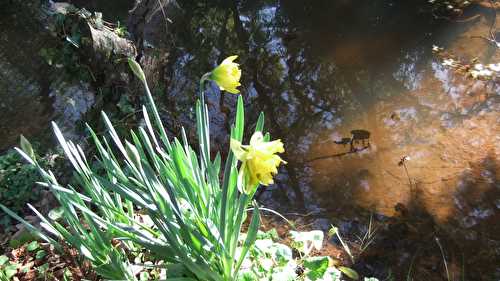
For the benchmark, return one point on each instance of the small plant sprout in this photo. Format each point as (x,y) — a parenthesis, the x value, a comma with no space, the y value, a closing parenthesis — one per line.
(335,231)
(402,162)
(368,237)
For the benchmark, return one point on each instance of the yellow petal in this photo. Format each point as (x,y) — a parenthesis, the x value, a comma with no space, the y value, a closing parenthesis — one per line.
(256,139)
(238,150)
(229,59)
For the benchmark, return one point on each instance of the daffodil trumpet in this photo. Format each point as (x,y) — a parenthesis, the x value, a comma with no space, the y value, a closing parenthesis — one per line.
(259,161)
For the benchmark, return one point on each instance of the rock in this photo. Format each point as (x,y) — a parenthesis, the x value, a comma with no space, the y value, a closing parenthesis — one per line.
(52,53)
(23,73)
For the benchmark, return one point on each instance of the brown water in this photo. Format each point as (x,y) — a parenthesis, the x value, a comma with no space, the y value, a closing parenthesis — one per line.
(319,69)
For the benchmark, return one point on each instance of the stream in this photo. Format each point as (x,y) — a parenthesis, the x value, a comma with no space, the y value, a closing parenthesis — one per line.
(322,69)
(426,173)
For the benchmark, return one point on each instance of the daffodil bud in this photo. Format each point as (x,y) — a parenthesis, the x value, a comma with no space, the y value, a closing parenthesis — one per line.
(227,75)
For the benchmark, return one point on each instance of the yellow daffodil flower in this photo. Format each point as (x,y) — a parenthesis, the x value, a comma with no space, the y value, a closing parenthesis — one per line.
(227,75)
(259,161)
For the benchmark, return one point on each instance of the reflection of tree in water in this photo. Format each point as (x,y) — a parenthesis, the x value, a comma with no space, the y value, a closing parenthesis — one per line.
(310,66)
(305,65)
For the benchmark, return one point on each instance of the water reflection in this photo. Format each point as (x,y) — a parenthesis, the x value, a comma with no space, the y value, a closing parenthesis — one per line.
(322,70)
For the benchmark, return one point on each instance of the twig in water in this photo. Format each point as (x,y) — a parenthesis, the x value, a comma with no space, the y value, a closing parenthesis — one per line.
(492,32)
(402,162)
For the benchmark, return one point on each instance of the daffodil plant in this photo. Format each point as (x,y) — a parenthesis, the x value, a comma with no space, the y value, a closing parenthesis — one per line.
(163,196)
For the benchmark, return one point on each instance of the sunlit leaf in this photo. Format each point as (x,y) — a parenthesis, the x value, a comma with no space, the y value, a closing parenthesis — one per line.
(316,267)
(56,214)
(136,68)
(3,259)
(349,272)
(33,245)
(26,147)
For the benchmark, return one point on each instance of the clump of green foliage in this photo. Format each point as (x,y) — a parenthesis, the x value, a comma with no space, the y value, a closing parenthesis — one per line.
(156,195)
(7,269)
(271,260)
(182,208)
(17,184)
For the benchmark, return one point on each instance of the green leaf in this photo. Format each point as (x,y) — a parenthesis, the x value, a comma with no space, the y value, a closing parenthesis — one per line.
(270,234)
(11,270)
(316,267)
(248,276)
(43,268)
(240,119)
(308,240)
(137,70)
(332,274)
(3,259)
(144,276)
(349,272)
(284,274)
(24,237)
(73,41)
(175,270)
(85,252)
(27,147)
(251,235)
(264,245)
(40,254)
(283,253)
(259,127)
(67,275)
(33,245)
(56,214)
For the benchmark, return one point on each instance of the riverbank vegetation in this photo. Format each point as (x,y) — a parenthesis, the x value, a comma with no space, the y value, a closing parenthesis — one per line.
(163,210)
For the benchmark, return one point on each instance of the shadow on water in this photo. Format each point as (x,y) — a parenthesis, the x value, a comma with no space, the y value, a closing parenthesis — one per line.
(416,241)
